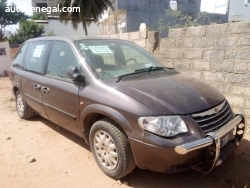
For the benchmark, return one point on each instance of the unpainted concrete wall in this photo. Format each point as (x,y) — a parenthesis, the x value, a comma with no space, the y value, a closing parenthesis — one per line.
(5,60)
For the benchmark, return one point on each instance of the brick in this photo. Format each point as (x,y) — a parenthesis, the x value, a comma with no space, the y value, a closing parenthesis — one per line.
(242,67)
(239,54)
(134,35)
(143,34)
(124,36)
(140,42)
(239,27)
(182,65)
(243,79)
(223,66)
(214,54)
(245,40)
(194,74)
(218,29)
(224,88)
(196,31)
(194,54)
(203,42)
(176,33)
(167,43)
(241,90)
(216,77)
(235,100)
(168,63)
(173,54)
(201,65)
(185,43)
(227,41)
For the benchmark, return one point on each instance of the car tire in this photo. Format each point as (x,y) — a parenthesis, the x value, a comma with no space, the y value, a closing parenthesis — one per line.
(23,110)
(111,149)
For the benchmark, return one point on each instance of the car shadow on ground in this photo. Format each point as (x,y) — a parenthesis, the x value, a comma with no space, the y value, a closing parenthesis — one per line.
(234,172)
(62,131)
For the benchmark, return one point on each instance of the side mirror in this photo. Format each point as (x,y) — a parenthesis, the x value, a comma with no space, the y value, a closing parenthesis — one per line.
(73,74)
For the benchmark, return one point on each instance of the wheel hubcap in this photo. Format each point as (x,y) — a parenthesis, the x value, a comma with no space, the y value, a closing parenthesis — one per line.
(105,150)
(20,105)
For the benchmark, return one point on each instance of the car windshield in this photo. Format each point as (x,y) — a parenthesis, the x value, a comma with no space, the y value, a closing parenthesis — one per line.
(115,58)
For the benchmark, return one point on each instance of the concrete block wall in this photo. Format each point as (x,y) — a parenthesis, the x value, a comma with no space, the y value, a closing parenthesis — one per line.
(216,54)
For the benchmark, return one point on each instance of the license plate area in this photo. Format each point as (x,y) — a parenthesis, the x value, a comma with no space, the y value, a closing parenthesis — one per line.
(225,139)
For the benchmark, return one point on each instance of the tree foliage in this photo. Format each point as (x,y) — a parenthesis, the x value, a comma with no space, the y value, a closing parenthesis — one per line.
(90,10)
(27,30)
(173,19)
(38,16)
(8,17)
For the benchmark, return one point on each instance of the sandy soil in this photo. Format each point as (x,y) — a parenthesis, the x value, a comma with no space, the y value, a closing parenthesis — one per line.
(64,160)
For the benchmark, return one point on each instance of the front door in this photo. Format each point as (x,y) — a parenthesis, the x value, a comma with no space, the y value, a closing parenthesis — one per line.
(60,94)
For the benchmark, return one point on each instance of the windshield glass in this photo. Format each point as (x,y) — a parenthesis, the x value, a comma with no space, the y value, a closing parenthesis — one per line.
(113,58)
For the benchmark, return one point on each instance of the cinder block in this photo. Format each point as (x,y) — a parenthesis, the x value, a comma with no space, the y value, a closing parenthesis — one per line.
(239,54)
(140,42)
(167,43)
(168,63)
(204,42)
(173,54)
(185,43)
(194,54)
(241,90)
(135,35)
(116,36)
(215,77)
(245,40)
(239,27)
(194,74)
(217,29)
(243,79)
(223,66)
(196,31)
(153,36)
(201,65)
(235,100)
(182,65)
(144,34)
(124,36)
(242,67)
(227,41)
(214,54)
(177,33)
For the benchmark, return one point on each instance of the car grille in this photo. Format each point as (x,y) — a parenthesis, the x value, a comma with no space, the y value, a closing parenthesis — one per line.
(214,118)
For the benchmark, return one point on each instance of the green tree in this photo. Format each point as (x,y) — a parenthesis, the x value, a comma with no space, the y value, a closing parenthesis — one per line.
(9,16)
(38,16)
(27,30)
(90,10)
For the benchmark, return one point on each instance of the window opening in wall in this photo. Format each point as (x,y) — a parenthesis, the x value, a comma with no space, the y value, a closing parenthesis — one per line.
(2,51)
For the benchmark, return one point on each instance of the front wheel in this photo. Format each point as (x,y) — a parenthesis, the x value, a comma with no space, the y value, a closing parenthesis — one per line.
(23,110)
(111,149)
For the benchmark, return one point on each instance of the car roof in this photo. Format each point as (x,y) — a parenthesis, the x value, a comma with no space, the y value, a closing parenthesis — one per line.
(70,39)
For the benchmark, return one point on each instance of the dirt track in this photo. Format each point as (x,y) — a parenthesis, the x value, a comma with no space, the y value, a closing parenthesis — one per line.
(64,160)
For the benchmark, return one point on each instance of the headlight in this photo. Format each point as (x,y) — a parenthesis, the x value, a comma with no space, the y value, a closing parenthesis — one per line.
(167,126)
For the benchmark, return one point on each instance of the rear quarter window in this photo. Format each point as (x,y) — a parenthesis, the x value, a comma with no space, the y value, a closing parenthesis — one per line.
(18,59)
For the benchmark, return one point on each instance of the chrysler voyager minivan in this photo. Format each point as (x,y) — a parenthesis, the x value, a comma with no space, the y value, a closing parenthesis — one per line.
(130,108)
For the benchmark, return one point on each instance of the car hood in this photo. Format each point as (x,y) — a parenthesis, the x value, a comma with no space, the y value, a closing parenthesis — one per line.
(169,93)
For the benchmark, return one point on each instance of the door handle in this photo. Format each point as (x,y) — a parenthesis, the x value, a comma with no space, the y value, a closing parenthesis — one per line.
(36,86)
(45,90)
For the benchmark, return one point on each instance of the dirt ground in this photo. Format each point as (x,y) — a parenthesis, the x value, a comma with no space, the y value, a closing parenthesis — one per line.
(64,160)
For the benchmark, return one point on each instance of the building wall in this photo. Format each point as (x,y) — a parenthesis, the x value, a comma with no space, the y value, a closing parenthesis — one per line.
(238,11)
(5,60)
(216,54)
(60,29)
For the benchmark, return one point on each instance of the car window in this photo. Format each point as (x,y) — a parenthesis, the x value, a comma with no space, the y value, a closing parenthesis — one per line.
(18,59)
(61,57)
(35,56)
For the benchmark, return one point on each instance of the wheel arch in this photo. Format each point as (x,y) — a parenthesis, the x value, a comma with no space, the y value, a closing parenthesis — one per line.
(95,112)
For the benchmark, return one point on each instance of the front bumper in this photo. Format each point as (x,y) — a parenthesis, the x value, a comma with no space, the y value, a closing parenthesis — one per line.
(212,141)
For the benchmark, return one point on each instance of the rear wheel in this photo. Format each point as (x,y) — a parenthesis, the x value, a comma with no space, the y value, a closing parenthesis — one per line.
(23,110)
(111,149)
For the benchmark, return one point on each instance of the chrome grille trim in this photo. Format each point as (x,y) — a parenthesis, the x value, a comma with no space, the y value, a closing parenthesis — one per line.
(209,121)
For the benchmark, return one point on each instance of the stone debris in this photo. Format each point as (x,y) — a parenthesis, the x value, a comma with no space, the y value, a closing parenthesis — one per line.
(32,160)
(8,138)
(119,182)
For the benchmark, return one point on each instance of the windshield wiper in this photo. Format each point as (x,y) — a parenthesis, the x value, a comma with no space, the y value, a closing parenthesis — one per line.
(150,69)
(119,78)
